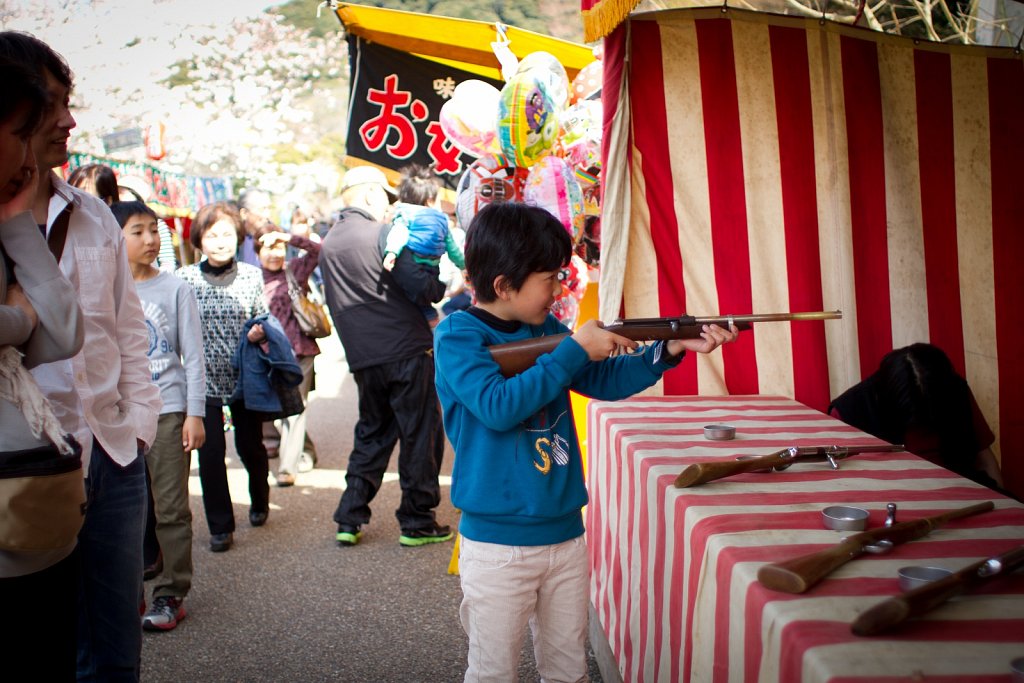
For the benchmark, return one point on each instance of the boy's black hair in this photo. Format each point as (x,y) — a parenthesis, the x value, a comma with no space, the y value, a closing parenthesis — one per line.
(124,210)
(23,90)
(32,53)
(513,240)
(418,185)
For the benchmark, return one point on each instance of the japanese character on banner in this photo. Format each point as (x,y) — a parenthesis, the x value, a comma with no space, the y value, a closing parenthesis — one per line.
(376,131)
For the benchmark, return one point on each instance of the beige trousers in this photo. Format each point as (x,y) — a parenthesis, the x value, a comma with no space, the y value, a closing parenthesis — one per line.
(505,588)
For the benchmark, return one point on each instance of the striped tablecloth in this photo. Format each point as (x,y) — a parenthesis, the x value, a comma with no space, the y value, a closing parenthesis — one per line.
(674,580)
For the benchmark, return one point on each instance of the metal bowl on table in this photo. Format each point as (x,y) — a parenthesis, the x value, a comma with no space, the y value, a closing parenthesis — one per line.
(845,518)
(719,432)
(915,577)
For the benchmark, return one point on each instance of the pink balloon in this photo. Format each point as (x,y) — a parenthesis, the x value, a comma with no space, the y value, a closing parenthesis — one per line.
(551,185)
(468,118)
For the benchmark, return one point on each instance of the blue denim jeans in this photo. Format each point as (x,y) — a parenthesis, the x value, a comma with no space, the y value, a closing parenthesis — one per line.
(110,543)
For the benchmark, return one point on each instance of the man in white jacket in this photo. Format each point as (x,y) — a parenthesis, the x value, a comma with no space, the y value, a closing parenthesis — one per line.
(103,395)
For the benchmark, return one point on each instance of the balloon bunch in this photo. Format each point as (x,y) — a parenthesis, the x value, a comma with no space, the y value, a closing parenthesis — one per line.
(537,140)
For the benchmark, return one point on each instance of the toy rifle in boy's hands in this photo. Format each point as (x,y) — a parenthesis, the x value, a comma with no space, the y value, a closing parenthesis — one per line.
(703,472)
(914,603)
(514,357)
(801,573)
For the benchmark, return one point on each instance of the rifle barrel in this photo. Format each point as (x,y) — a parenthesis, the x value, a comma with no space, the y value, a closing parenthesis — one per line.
(515,357)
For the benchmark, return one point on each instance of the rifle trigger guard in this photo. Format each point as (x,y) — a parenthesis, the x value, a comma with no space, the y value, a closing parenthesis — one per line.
(638,351)
(880,548)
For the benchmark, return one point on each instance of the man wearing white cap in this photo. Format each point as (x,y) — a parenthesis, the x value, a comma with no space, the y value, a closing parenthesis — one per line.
(388,345)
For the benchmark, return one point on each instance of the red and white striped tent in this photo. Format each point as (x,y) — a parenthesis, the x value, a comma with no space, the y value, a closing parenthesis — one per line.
(763,163)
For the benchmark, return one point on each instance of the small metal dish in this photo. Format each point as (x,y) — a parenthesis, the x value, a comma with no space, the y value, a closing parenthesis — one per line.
(845,518)
(915,577)
(719,432)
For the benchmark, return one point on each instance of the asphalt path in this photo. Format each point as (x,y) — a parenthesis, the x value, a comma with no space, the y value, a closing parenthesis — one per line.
(286,603)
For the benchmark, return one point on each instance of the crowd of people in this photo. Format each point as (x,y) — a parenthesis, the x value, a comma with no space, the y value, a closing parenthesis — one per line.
(138,360)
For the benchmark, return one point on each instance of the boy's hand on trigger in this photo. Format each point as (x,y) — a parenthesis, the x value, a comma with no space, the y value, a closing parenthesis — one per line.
(389,261)
(599,343)
(193,434)
(711,337)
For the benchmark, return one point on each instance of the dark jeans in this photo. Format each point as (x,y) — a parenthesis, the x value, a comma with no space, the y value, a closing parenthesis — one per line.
(41,630)
(397,404)
(110,546)
(213,473)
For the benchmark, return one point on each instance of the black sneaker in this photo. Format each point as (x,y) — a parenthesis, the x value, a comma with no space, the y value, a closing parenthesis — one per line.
(348,535)
(165,613)
(221,542)
(257,518)
(431,534)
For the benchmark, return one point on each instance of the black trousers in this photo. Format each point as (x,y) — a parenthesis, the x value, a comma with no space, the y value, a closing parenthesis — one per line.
(42,620)
(213,473)
(397,404)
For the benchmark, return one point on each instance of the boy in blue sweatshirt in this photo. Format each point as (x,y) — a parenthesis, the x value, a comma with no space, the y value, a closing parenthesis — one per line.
(518,473)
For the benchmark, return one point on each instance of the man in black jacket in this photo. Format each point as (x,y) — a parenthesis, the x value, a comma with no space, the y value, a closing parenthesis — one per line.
(388,345)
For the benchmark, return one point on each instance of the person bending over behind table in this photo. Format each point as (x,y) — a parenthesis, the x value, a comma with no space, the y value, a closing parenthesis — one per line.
(916,398)
(518,472)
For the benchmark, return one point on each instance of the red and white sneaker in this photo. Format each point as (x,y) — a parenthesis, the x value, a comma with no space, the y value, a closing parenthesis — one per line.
(164,614)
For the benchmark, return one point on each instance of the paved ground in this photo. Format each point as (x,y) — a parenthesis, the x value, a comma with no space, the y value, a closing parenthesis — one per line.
(287,604)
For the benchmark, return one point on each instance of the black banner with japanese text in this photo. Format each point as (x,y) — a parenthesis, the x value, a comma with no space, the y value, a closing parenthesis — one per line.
(395,100)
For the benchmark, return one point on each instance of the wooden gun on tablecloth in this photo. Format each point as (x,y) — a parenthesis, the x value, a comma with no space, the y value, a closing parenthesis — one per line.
(514,357)
(801,573)
(703,472)
(921,600)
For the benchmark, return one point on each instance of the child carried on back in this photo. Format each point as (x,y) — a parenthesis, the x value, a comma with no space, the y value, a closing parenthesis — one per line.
(420,226)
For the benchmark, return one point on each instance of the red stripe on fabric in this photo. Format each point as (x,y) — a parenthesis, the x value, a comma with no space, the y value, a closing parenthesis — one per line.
(862,92)
(653,550)
(613,67)
(805,635)
(620,580)
(800,211)
(1006,102)
(934,81)
(650,133)
(727,194)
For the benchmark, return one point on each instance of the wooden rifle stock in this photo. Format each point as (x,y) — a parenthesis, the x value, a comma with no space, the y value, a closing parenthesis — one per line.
(922,600)
(801,573)
(514,357)
(703,472)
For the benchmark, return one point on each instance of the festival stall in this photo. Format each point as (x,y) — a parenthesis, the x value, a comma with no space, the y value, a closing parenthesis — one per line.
(757,162)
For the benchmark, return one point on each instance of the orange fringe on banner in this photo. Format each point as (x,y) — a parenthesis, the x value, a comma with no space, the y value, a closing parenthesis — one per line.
(603,17)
